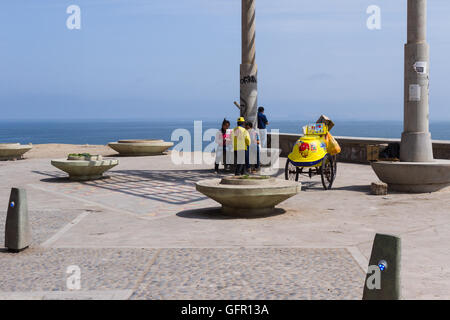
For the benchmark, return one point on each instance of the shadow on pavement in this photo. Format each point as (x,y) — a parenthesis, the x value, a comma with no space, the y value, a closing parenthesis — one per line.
(168,186)
(175,187)
(317,186)
(357,188)
(215,213)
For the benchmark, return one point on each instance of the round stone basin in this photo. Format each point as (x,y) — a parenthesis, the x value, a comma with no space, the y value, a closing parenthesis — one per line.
(82,170)
(414,177)
(140,147)
(141,141)
(13,151)
(251,196)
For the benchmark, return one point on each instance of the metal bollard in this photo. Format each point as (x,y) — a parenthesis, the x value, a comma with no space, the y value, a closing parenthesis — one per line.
(383,277)
(17,228)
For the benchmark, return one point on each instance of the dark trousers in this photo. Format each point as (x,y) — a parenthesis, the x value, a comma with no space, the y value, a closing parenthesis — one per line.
(224,159)
(240,163)
(258,163)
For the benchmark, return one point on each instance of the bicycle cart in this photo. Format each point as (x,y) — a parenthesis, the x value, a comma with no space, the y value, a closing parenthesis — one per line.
(314,154)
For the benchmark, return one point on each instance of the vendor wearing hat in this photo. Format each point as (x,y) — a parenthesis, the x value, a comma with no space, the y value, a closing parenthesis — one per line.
(241,142)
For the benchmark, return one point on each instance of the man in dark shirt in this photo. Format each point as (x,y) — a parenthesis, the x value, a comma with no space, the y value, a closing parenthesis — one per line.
(262,123)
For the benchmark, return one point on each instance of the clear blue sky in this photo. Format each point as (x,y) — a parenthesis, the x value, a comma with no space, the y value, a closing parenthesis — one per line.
(180,59)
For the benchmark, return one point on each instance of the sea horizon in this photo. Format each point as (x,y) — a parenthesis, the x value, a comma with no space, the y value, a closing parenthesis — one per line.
(103,131)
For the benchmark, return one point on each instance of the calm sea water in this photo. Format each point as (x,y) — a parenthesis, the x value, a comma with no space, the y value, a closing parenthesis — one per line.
(103,131)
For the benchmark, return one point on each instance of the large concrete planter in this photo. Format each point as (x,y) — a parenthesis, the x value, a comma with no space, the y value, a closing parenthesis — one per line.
(13,151)
(414,177)
(140,147)
(248,197)
(83,170)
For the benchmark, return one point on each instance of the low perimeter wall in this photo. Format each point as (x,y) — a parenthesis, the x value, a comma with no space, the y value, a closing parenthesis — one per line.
(354,149)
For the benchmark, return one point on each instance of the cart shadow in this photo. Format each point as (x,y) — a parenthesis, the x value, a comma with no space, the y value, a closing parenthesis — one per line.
(215,213)
(311,185)
(317,185)
(357,188)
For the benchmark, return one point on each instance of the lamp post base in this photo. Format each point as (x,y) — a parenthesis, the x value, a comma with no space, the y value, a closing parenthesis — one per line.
(414,177)
(416,147)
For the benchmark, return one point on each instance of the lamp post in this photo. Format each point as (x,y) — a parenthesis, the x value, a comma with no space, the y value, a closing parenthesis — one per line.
(248,68)
(416,143)
(416,171)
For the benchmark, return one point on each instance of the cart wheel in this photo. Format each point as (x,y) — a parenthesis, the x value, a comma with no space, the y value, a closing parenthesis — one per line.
(334,167)
(327,172)
(290,171)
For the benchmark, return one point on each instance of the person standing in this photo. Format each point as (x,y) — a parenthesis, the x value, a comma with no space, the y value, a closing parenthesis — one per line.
(253,162)
(241,142)
(262,123)
(222,139)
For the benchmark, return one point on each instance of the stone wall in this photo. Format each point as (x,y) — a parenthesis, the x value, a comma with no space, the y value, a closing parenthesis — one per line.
(354,149)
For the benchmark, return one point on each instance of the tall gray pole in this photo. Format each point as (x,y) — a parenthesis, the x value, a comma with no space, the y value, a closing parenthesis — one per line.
(248,69)
(416,143)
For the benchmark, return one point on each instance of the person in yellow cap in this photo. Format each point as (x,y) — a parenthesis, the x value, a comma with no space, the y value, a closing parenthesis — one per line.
(241,142)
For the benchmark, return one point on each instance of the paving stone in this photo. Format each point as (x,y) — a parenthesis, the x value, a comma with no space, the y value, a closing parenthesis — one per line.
(39,269)
(252,273)
(44,223)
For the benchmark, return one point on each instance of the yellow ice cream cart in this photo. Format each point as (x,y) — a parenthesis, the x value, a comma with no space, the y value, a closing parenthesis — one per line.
(314,154)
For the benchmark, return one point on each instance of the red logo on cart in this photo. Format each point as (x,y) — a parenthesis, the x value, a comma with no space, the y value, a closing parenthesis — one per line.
(304,149)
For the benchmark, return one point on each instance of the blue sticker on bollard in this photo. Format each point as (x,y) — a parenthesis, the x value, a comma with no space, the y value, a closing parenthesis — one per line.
(12,204)
(382,265)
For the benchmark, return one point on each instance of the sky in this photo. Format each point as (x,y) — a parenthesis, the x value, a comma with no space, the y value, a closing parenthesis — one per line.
(179,59)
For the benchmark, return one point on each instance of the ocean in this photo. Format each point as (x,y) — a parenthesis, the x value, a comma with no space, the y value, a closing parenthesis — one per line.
(100,132)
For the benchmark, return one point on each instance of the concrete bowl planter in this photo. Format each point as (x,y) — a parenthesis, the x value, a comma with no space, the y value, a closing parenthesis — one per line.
(85,156)
(414,177)
(84,170)
(13,151)
(140,147)
(248,196)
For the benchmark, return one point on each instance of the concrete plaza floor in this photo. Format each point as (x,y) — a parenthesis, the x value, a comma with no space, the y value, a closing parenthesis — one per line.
(146,233)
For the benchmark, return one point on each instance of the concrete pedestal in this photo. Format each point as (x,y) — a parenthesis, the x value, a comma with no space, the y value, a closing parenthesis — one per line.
(84,170)
(414,177)
(13,151)
(140,147)
(248,197)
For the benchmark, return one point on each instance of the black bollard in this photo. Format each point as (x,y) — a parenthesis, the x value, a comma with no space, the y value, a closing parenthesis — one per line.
(383,276)
(17,228)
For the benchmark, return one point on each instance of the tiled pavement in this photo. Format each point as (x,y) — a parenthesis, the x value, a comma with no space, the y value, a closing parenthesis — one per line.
(219,273)
(145,233)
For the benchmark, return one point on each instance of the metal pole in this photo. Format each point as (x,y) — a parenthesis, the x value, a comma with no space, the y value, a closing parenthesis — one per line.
(416,143)
(248,68)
